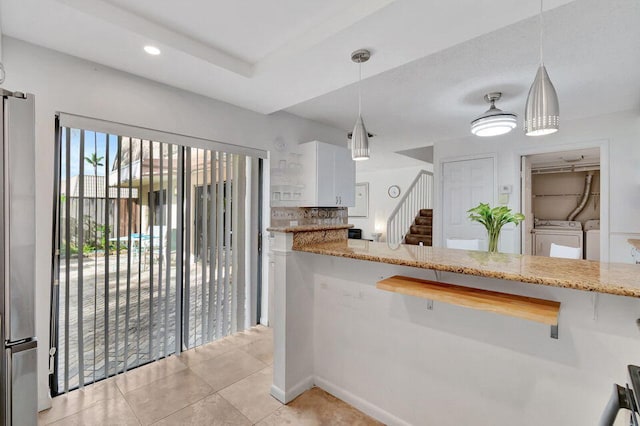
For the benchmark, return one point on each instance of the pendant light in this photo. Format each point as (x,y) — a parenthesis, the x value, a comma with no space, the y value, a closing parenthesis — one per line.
(542,112)
(360,137)
(494,121)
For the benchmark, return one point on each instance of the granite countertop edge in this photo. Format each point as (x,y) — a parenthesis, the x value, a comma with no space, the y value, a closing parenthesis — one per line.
(480,270)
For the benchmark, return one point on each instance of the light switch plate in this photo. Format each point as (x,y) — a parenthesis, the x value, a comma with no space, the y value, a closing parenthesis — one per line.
(506,189)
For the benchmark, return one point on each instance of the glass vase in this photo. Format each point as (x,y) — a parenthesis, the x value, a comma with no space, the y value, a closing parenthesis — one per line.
(494,237)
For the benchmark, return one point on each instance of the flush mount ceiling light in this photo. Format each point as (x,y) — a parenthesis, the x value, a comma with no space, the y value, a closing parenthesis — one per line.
(360,136)
(542,112)
(152,50)
(494,121)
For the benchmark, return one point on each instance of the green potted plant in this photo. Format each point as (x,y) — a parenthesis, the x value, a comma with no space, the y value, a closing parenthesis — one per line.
(493,220)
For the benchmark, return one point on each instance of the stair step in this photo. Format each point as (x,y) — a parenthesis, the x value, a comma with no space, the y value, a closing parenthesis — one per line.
(421,229)
(416,239)
(426,212)
(423,220)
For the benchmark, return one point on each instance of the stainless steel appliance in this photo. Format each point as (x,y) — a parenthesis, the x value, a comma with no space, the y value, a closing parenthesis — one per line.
(18,381)
(623,397)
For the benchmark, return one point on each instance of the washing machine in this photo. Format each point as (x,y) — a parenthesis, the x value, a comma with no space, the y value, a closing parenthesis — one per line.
(562,232)
(592,240)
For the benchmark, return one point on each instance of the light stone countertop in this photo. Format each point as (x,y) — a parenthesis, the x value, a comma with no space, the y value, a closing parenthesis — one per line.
(613,278)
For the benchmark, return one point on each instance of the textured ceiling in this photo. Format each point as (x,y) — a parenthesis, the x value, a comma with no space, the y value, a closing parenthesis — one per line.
(263,56)
(592,54)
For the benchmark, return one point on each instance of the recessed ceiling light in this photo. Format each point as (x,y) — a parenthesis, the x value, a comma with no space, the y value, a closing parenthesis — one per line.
(152,50)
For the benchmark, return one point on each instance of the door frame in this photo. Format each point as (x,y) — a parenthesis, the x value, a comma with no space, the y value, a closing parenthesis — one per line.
(438,219)
(603,145)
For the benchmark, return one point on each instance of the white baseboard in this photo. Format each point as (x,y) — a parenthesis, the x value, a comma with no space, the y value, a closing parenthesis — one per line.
(359,403)
(294,392)
(277,393)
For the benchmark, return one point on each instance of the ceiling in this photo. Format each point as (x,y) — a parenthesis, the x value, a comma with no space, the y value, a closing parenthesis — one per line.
(592,54)
(432,60)
(264,56)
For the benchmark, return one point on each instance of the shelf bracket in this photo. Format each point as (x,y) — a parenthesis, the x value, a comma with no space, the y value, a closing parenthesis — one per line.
(554,331)
(594,303)
(430,304)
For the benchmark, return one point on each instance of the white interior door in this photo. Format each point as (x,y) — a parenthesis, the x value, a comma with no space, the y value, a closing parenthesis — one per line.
(465,184)
(526,205)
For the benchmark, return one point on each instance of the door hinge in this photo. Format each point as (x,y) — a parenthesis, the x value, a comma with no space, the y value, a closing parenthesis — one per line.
(259,242)
(56,283)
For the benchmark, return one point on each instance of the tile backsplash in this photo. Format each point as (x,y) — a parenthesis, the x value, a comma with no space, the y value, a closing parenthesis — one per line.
(298,216)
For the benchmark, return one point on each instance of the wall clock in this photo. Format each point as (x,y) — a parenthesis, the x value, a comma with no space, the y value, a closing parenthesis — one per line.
(394,191)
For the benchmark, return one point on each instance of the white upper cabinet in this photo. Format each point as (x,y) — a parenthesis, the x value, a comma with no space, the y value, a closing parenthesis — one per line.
(324,175)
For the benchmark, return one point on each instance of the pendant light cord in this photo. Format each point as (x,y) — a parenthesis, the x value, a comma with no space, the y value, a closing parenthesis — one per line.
(359,88)
(541,35)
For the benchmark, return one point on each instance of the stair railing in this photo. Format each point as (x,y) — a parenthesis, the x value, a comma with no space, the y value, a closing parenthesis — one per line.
(418,196)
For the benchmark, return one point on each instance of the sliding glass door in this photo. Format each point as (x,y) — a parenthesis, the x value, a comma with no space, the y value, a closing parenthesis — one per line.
(153,247)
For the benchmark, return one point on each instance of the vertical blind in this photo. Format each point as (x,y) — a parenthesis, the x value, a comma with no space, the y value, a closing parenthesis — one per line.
(151,251)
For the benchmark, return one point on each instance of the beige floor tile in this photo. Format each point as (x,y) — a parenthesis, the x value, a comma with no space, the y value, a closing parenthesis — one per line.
(107,412)
(252,395)
(211,411)
(149,373)
(227,369)
(315,408)
(77,400)
(163,397)
(208,351)
(261,349)
(250,335)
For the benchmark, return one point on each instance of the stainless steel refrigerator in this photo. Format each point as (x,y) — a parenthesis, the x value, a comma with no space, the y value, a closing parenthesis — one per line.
(18,381)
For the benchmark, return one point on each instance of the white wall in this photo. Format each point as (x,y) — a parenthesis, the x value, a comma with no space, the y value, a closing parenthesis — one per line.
(617,133)
(62,83)
(380,204)
(389,356)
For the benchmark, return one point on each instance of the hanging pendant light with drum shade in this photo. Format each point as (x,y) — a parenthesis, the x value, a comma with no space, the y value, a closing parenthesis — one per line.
(360,137)
(542,112)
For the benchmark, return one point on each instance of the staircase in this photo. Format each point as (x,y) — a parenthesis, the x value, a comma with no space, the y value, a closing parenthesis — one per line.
(420,232)
(403,226)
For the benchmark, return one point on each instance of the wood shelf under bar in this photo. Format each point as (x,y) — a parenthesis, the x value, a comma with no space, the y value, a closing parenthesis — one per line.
(529,308)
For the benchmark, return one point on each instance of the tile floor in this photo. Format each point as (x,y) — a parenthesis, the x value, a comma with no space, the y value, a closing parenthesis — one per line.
(223,383)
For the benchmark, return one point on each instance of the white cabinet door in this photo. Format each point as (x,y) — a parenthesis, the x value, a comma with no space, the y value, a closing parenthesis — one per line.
(326,175)
(465,184)
(345,178)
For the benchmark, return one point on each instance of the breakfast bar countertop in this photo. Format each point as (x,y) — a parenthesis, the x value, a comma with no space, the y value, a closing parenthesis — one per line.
(613,278)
